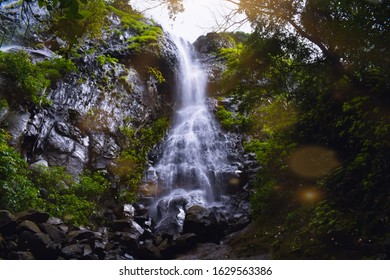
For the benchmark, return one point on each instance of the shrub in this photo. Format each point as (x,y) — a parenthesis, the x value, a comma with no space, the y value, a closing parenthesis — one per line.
(27,76)
(33,79)
(17,192)
(157,75)
(72,200)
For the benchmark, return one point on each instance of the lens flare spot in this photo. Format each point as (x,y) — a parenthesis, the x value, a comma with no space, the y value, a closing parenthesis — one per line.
(313,161)
(234,181)
(309,195)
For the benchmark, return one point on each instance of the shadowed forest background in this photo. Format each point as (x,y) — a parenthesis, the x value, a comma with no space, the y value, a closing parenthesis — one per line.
(310,89)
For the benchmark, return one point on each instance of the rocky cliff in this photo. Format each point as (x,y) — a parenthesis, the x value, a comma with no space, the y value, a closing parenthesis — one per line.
(113,88)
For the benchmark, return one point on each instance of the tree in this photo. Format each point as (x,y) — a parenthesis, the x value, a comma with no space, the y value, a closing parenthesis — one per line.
(69,19)
(73,19)
(174,7)
(325,25)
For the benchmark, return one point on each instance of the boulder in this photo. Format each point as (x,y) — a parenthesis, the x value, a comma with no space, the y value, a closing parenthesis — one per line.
(178,244)
(148,251)
(54,221)
(168,227)
(127,239)
(212,42)
(122,225)
(19,255)
(77,235)
(28,226)
(39,244)
(7,221)
(207,224)
(73,251)
(33,216)
(55,234)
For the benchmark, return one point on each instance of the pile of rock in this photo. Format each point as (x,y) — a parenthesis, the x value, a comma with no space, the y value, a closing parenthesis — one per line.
(36,235)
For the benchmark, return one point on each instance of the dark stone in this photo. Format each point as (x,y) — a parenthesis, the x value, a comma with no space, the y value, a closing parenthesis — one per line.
(186,241)
(163,245)
(28,226)
(138,228)
(127,225)
(3,247)
(121,225)
(78,235)
(87,250)
(112,245)
(7,222)
(54,221)
(178,245)
(127,239)
(148,251)
(146,201)
(112,255)
(63,228)
(33,216)
(91,257)
(73,251)
(20,256)
(168,227)
(39,244)
(141,212)
(7,244)
(142,219)
(55,234)
(207,224)
(212,42)
(99,250)
(148,234)
(2,242)
(238,222)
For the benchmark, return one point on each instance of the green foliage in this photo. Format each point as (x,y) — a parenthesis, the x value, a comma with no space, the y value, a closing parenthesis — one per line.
(145,36)
(157,75)
(328,221)
(77,19)
(273,117)
(49,189)
(121,5)
(28,77)
(17,192)
(73,200)
(56,68)
(106,59)
(231,121)
(130,165)
(33,79)
(3,104)
(297,96)
(130,19)
(146,39)
(231,55)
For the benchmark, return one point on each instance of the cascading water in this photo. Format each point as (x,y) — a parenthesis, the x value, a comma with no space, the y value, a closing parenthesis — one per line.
(194,167)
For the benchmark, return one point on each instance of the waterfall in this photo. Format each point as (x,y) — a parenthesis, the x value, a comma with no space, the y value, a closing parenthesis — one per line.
(194,165)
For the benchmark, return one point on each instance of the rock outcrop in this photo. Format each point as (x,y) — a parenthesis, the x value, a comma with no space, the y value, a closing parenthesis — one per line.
(111,90)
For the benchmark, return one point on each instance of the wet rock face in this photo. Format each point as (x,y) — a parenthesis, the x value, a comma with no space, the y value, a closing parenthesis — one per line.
(89,108)
(208,47)
(212,43)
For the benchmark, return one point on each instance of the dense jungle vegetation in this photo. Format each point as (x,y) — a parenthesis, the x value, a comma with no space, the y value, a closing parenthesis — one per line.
(312,83)
(75,199)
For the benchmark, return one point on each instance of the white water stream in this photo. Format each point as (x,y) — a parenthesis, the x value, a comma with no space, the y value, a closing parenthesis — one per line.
(194,165)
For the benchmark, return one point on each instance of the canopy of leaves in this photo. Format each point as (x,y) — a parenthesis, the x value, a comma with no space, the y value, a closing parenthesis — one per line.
(306,84)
